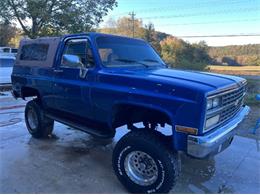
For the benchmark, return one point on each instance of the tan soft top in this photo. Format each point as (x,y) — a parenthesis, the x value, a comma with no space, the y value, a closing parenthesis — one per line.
(53,43)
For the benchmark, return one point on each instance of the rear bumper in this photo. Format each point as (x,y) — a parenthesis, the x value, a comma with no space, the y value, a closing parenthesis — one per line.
(217,141)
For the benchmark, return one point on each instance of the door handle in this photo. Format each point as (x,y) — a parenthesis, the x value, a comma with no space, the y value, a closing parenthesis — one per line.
(57,70)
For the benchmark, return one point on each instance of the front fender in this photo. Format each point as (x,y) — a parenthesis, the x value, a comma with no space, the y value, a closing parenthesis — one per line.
(142,105)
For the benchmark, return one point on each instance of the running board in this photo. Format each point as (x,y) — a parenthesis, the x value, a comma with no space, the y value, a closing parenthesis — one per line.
(98,130)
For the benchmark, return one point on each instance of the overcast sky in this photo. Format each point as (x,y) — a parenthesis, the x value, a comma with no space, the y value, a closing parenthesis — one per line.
(197,17)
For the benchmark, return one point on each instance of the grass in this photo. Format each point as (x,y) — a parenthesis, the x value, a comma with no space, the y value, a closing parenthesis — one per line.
(253,88)
(235,70)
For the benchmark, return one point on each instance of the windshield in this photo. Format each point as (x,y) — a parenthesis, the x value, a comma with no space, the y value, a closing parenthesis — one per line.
(120,51)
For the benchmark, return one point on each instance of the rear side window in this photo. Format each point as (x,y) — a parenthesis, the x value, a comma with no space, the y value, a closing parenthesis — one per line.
(34,52)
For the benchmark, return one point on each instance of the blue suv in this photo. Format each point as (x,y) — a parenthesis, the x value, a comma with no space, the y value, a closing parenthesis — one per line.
(97,82)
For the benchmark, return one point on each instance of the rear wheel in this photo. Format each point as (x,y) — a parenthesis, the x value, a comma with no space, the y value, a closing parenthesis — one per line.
(38,125)
(144,164)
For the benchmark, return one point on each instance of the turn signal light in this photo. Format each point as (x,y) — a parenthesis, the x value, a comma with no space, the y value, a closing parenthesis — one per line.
(186,129)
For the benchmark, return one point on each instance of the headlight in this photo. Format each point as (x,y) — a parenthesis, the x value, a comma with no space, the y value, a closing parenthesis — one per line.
(209,104)
(212,121)
(213,103)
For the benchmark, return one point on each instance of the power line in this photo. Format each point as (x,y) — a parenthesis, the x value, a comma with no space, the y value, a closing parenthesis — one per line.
(227,11)
(174,7)
(229,35)
(171,8)
(210,22)
(240,10)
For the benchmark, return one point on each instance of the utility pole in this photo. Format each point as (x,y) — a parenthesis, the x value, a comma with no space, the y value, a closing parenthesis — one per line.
(132,15)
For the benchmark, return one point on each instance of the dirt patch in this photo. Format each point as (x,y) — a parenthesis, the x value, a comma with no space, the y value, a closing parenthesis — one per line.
(246,127)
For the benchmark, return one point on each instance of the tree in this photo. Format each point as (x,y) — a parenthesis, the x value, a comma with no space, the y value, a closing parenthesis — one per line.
(149,32)
(200,52)
(180,54)
(54,17)
(7,32)
(171,49)
(123,26)
(151,36)
(237,54)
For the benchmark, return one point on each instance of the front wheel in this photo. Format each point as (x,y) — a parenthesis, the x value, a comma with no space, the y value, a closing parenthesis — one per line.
(144,164)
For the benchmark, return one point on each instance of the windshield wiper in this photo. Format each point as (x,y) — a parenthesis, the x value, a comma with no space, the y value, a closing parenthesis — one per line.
(132,62)
(153,60)
(150,60)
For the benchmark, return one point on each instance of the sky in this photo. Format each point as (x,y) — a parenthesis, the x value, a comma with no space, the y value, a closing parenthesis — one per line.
(197,18)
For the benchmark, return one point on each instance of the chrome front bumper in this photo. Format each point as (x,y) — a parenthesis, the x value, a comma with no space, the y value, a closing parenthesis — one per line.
(218,140)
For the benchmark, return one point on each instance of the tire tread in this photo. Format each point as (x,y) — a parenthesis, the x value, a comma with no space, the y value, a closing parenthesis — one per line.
(158,140)
(45,124)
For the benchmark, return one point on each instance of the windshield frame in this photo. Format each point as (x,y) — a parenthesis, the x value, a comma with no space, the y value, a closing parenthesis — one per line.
(129,65)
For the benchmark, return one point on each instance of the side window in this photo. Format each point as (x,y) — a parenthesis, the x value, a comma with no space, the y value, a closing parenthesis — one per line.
(34,52)
(77,53)
(90,57)
(105,54)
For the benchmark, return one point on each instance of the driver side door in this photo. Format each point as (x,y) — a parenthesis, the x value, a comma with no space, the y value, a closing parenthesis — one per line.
(72,90)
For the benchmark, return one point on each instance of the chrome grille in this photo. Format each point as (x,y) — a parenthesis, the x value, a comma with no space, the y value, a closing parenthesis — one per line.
(231,97)
(230,111)
(231,103)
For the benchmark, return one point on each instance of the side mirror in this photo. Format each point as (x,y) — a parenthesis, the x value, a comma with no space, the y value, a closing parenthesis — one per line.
(71,60)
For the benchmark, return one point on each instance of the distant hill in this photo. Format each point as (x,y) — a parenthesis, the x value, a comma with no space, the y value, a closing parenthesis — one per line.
(250,49)
(236,54)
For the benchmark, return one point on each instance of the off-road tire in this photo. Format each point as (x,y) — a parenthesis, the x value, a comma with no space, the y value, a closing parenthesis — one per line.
(44,125)
(152,144)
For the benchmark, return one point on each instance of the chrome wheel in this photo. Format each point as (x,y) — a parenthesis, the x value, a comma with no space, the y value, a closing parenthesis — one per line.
(32,119)
(141,168)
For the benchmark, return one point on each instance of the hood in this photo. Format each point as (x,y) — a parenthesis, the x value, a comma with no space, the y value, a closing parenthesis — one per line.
(215,81)
(193,79)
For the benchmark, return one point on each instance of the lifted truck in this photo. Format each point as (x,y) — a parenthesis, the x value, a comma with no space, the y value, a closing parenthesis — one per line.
(97,83)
